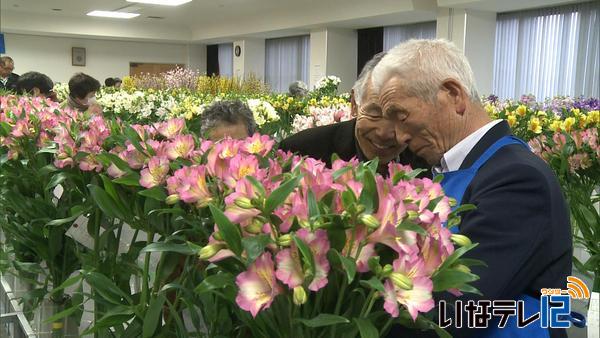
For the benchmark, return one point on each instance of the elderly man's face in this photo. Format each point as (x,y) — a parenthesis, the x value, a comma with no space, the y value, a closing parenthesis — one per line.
(236,131)
(427,128)
(375,133)
(6,69)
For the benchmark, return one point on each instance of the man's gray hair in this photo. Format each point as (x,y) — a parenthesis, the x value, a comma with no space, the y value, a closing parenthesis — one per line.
(426,63)
(365,74)
(4,60)
(227,112)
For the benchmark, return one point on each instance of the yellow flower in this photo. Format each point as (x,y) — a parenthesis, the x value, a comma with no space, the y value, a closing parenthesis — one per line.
(534,125)
(555,126)
(575,111)
(567,125)
(512,120)
(491,110)
(541,113)
(521,110)
(290,100)
(593,117)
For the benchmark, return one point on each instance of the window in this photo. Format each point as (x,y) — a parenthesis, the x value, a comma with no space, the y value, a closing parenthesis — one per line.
(393,35)
(286,61)
(548,52)
(226,59)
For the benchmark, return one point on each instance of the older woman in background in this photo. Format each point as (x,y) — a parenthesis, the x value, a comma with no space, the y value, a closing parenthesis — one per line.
(227,119)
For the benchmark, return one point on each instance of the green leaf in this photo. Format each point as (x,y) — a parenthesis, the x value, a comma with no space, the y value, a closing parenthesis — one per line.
(62,314)
(132,179)
(470,289)
(116,160)
(257,185)
(348,264)
(67,283)
(449,278)
(462,208)
(255,246)
(281,193)
(338,173)
(106,288)
(105,202)
(454,257)
(366,328)
(323,319)
(109,187)
(62,221)
(152,317)
(215,282)
(307,256)
(56,180)
(169,247)
(368,196)
(158,193)
(373,283)
(410,226)
(230,232)
(313,208)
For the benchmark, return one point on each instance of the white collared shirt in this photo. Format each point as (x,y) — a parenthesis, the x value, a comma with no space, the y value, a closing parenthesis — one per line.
(453,158)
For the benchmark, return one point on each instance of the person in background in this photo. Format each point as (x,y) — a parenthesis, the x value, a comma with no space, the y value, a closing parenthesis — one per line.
(82,93)
(298,89)
(109,82)
(36,84)
(366,137)
(8,79)
(521,222)
(230,118)
(118,82)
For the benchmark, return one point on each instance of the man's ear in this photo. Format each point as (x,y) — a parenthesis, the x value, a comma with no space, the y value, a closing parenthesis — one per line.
(353,107)
(36,91)
(455,95)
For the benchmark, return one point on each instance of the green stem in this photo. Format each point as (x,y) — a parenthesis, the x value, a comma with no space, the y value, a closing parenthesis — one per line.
(596,286)
(386,326)
(367,305)
(145,276)
(338,304)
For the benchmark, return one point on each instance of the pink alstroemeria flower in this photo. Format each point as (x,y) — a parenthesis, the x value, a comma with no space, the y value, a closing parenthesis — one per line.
(181,146)
(156,173)
(171,128)
(289,268)
(258,144)
(194,188)
(258,286)
(419,298)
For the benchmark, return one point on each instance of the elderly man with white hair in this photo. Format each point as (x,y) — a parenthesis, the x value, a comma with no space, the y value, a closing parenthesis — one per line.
(521,222)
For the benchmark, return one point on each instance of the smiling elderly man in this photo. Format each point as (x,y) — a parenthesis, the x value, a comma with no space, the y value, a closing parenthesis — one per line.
(521,222)
(368,136)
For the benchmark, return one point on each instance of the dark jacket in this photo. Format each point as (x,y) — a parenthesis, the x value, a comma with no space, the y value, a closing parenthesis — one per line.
(11,84)
(521,224)
(338,138)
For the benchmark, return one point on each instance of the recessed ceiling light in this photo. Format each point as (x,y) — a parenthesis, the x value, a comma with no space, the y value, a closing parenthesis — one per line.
(162,2)
(109,14)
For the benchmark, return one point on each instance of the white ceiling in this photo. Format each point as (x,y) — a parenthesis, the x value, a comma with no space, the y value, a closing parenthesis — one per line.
(226,20)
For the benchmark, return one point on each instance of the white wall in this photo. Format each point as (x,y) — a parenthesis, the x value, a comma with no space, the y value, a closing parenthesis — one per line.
(251,59)
(334,51)
(104,58)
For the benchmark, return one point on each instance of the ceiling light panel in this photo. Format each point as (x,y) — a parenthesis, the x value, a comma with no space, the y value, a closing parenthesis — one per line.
(110,14)
(162,2)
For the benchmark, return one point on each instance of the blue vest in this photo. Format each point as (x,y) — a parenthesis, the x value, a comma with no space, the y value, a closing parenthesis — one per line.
(455,183)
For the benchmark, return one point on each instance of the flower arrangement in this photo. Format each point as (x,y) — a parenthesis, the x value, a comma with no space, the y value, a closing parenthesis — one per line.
(321,115)
(564,132)
(282,245)
(327,85)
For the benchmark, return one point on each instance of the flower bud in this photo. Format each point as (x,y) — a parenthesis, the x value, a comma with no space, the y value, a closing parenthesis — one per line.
(217,236)
(304,223)
(401,281)
(387,269)
(255,227)
(172,199)
(369,220)
(461,240)
(463,268)
(412,215)
(209,251)
(299,295)
(284,240)
(360,208)
(244,203)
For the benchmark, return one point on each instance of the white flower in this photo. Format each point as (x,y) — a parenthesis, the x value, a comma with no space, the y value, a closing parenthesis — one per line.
(263,111)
